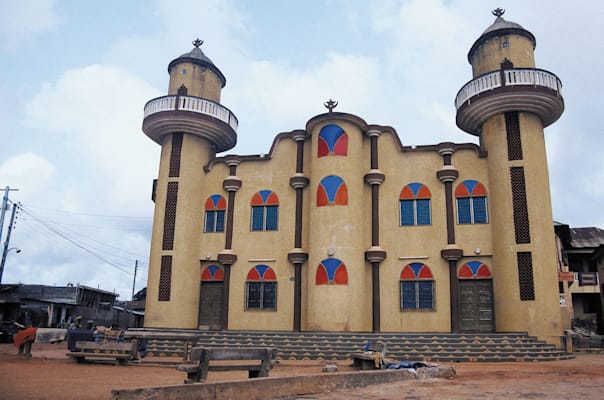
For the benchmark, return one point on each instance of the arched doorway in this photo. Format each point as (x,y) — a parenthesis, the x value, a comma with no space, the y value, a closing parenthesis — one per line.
(476,298)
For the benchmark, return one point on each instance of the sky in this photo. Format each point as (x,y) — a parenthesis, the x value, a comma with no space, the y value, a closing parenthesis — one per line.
(77,74)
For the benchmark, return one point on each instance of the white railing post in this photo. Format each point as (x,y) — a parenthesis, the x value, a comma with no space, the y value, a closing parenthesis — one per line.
(193,104)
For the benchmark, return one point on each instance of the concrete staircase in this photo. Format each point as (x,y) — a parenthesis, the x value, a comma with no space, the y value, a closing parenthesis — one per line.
(328,346)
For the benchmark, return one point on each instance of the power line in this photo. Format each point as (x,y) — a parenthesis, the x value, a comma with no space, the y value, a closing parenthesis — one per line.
(74,242)
(89,214)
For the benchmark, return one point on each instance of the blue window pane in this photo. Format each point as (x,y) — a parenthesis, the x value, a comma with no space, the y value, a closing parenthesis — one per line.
(423,211)
(209,221)
(408,295)
(258,218)
(220,221)
(254,294)
(272,213)
(480,210)
(269,298)
(425,294)
(463,211)
(407,212)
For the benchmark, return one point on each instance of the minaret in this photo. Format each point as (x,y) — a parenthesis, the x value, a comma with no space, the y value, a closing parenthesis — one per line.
(507,104)
(191,126)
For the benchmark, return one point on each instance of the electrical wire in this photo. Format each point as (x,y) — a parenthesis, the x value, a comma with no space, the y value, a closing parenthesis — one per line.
(74,242)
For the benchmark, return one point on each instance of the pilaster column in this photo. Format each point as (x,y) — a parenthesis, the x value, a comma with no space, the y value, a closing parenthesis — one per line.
(452,253)
(298,256)
(375,254)
(227,257)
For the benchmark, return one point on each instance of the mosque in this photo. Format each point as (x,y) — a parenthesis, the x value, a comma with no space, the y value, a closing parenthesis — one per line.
(340,227)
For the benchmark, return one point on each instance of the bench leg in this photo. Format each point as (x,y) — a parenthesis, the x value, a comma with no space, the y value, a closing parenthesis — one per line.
(259,373)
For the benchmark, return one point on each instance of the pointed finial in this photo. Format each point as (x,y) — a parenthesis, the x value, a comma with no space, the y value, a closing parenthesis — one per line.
(498,12)
(330,105)
(197,42)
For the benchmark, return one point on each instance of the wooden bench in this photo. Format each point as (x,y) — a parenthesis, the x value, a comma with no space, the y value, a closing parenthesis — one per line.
(373,358)
(197,370)
(118,351)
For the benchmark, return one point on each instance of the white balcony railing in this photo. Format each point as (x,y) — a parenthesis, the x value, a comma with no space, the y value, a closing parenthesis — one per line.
(511,77)
(193,104)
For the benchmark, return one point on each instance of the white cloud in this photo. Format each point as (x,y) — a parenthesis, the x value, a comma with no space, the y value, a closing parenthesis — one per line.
(22,20)
(96,112)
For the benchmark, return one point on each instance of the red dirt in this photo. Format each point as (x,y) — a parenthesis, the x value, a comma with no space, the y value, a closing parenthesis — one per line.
(49,374)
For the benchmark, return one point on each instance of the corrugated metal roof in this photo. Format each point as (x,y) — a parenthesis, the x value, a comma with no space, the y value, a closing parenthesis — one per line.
(586,237)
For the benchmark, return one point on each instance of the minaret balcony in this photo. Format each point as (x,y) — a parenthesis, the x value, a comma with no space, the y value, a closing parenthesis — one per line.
(516,89)
(194,115)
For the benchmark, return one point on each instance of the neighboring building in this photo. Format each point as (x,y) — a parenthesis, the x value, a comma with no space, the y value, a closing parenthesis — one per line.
(342,228)
(55,306)
(131,314)
(581,255)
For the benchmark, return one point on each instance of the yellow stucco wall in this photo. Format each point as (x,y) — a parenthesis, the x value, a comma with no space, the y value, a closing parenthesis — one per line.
(344,232)
(489,56)
(199,81)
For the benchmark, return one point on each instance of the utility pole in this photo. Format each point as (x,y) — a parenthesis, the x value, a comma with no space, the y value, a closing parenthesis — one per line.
(6,242)
(134,280)
(4,208)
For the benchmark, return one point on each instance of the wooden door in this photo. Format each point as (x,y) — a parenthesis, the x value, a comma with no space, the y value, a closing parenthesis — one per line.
(210,305)
(476,305)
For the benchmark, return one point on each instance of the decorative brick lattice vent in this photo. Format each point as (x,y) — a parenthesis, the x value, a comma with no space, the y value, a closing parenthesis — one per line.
(512,129)
(165,278)
(522,229)
(525,276)
(170,216)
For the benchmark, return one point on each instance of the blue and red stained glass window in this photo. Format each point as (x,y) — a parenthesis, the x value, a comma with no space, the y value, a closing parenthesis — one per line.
(265,211)
(332,140)
(471,198)
(417,287)
(474,270)
(261,288)
(332,190)
(212,273)
(215,208)
(414,201)
(331,271)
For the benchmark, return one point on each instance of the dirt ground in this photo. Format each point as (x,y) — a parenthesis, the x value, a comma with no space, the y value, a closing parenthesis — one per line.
(48,374)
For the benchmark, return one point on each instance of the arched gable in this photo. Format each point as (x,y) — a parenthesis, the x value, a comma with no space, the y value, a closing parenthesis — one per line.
(261,273)
(332,190)
(265,198)
(332,140)
(331,271)
(474,270)
(212,273)
(415,190)
(470,188)
(416,271)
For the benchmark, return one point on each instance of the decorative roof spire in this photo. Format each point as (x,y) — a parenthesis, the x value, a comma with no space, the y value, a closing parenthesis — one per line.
(197,42)
(330,105)
(498,12)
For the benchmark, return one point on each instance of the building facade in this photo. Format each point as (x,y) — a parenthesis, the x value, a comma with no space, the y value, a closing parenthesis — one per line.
(342,228)
(581,266)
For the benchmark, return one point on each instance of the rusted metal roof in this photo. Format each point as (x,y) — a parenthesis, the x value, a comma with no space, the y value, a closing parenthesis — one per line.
(586,237)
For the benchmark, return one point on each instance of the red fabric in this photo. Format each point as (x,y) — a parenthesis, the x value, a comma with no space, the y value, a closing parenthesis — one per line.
(25,335)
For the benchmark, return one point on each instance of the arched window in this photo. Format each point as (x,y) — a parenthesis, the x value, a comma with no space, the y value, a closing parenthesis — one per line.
(471,203)
(215,209)
(265,211)
(212,273)
(332,140)
(474,270)
(417,287)
(332,190)
(261,288)
(414,202)
(331,271)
